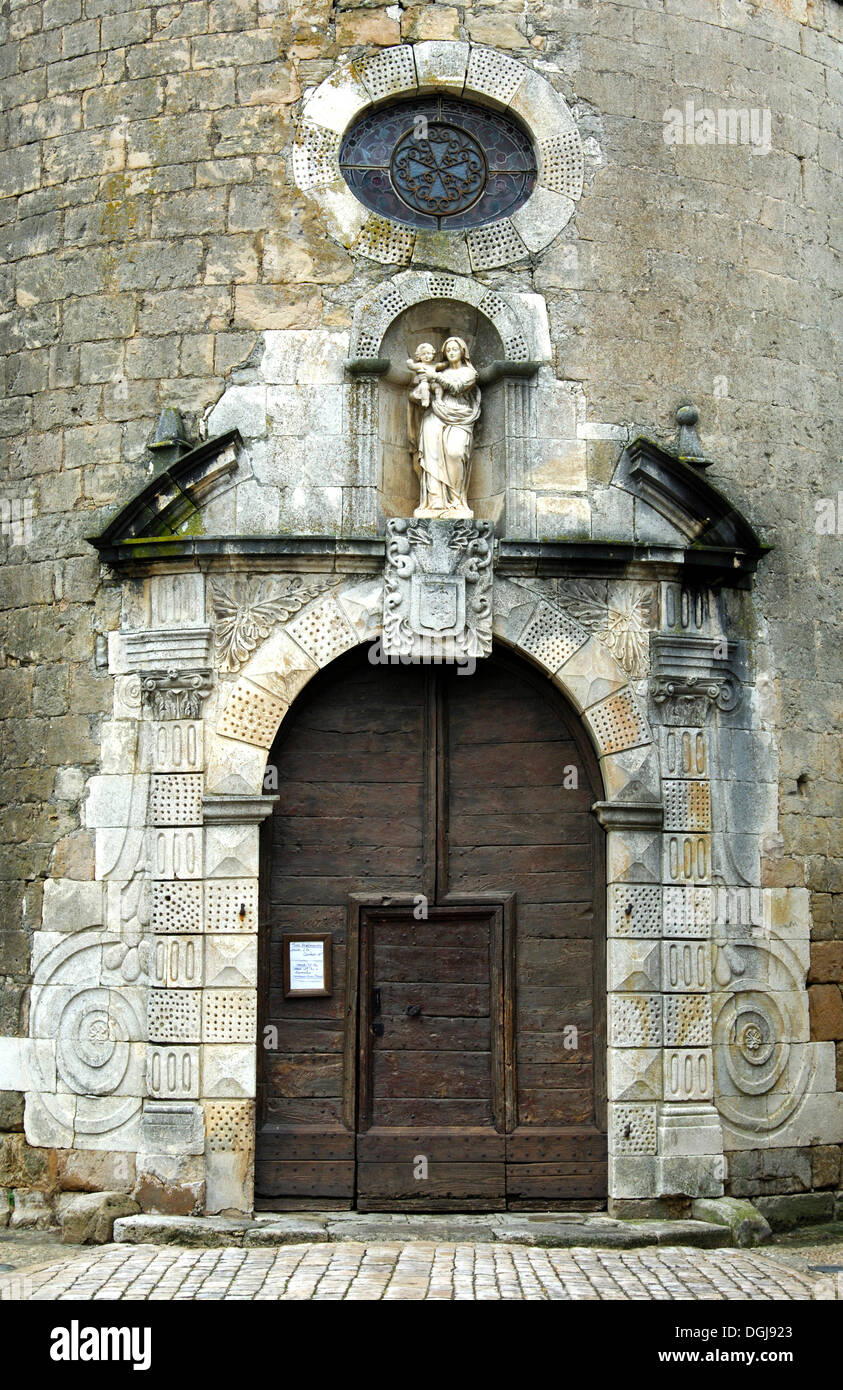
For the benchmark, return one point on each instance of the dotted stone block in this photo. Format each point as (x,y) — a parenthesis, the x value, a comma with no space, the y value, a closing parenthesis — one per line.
(368,342)
(496,244)
(618,722)
(383,241)
(561,164)
(515,347)
(442,286)
(251,715)
(389,72)
(323,632)
(492,75)
(174,1015)
(176,907)
(552,637)
(684,752)
(687,911)
(493,306)
(687,805)
(633,1129)
(229,1125)
(229,1015)
(316,154)
(231,905)
(635,1020)
(635,910)
(687,1020)
(373,318)
(176,798)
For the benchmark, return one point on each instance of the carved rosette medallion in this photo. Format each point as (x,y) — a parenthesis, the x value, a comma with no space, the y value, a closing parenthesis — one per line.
(621,619)
(438,589)
(763,1063)
(80,1005)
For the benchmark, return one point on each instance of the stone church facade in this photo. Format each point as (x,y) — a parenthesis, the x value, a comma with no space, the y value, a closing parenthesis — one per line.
(220,604)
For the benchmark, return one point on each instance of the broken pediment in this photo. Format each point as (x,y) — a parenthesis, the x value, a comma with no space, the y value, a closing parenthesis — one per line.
(680,492)
(168,505)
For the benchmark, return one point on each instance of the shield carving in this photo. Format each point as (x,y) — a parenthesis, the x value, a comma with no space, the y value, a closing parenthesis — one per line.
(438,604)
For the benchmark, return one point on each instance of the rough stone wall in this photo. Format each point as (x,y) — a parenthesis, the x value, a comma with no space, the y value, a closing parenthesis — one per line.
(152,229)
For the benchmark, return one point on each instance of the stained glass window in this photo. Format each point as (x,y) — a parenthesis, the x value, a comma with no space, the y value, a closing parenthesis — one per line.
(438,162)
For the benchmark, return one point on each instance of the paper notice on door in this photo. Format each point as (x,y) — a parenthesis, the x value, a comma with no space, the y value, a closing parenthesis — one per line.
(307,965)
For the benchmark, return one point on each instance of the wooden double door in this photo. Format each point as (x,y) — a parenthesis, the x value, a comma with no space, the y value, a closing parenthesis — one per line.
(438,826)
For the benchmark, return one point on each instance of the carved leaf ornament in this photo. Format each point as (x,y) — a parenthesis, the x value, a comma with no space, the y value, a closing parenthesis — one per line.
(621,625)
(247,611)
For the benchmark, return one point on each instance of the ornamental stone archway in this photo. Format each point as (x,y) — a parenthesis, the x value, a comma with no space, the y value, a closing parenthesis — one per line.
(249,711)
(143,1020)
(143,1013)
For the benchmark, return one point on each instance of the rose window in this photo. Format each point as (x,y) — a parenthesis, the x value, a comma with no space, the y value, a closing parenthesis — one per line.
(439,163)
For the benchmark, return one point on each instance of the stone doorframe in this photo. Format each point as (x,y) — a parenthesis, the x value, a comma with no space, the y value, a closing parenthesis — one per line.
(144,1004)
(664,1131)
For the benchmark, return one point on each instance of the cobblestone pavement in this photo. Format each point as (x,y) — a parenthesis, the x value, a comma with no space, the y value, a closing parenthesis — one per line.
(421,1270)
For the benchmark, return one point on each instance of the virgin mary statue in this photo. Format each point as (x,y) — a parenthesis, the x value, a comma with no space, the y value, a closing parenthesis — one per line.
(445,435)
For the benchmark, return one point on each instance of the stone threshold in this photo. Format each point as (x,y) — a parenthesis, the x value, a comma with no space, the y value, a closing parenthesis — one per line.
(549,1229)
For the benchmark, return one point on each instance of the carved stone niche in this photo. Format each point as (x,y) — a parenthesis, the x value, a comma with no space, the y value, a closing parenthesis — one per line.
(434,322)
(380,414)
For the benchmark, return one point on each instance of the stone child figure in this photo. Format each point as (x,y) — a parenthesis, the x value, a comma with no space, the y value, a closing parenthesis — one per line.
(423,369)
(446,428)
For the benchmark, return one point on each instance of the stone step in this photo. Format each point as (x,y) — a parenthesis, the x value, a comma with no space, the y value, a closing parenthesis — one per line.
(549,1229)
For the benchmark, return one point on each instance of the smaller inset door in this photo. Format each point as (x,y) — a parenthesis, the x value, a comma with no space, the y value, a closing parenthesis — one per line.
(431,1094)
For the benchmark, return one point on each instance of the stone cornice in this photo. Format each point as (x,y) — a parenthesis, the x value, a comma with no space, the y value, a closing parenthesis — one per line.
(173,495)
(514,558)
(681,493)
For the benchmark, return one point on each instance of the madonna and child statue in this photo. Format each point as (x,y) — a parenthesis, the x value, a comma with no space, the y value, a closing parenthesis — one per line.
(444,408)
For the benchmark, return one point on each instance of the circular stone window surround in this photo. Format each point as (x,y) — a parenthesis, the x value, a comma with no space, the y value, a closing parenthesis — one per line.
(491,78)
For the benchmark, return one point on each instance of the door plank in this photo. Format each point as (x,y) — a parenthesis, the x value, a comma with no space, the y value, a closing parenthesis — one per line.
(390,1144)
(396,1180)
(308,1178)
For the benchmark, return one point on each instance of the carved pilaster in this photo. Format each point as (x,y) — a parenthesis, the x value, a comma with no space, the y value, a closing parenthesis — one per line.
(690,676)
(520,498)
(364,411)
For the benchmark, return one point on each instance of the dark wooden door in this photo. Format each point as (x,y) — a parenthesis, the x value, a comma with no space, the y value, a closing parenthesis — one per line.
(415,787)
(431,1097)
